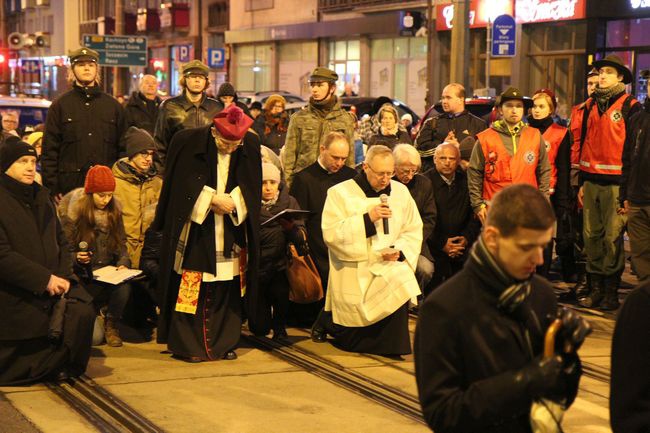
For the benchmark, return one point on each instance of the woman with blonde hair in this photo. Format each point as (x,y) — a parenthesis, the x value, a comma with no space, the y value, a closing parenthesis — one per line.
(273,123)
(389,134)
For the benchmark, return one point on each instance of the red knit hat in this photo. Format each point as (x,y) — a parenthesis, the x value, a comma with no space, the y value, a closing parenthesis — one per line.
(99,179)
(232,123)
(550,94)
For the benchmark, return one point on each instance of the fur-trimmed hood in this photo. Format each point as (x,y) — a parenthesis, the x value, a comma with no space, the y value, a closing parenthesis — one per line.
(70,208)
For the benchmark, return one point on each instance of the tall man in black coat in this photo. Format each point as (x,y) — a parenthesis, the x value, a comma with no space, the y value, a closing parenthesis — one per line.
(407,164)
(142,108)
(456,228)
(35,272)
(309,188)
(84,127)
(209,212)
(480,336)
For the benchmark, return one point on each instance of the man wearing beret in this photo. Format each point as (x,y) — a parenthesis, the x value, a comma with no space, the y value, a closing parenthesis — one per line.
(35,273)
(507,153)
(309,126)
(605,127)
(191,109)
(84,127)
(209,215)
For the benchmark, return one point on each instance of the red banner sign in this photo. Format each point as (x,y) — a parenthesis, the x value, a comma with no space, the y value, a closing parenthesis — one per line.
(537,11)
(480,12)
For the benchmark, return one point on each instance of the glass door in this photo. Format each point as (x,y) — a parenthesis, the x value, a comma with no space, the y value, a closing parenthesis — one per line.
(561,81)
(641,84)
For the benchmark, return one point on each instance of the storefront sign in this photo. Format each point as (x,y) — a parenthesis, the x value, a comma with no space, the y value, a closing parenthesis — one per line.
(480,13)
(536,11)
(636,4)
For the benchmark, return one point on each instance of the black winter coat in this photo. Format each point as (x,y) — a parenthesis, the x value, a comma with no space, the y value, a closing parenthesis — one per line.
(84,127)
(636,160)
(179,113)
(142,112)
(468,353)
(274,140)
(390,140)
(436,128)
(422,193)
(273,238)
(33,247)
(187,172)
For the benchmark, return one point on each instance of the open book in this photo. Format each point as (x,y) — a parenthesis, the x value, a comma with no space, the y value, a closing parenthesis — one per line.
(111,275)
(288,214)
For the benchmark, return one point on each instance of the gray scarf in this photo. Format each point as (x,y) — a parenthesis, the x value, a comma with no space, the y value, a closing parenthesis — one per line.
(603,96)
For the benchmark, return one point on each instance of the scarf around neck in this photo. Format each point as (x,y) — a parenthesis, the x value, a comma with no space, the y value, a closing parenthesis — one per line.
(604,96)
(323,107)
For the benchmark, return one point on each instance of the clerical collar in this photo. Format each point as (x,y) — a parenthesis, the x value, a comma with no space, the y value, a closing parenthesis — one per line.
(365,186)
(322,166)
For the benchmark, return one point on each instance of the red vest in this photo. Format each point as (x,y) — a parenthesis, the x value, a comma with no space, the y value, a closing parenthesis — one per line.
(577,114)
(553,137)
(602,151)
(501,169)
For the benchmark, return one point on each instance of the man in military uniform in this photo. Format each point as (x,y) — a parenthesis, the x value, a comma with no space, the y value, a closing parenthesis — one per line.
(191,109)
(309,126)
(84,127)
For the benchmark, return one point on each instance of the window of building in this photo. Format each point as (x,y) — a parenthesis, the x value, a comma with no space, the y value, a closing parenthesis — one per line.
(253,71)
(218,15)
(296,60)
(345,60)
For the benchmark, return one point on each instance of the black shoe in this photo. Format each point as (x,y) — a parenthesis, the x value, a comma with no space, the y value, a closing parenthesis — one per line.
(188,359)
(596,296)
(61,376)
(318,333)
(280,334)
(230,355)
(582,288)
(610,301)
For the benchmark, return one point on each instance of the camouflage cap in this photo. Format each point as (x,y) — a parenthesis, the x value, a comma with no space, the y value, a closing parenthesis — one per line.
(83,54)
(323,74)
(196,67)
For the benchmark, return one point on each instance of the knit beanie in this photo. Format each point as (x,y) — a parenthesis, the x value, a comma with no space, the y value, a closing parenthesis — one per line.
(14,149)
(270,172)
(99,179)
(226,89)
(138,140)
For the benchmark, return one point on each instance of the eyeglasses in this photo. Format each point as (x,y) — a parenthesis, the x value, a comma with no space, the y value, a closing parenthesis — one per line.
(382,173)
(407,171)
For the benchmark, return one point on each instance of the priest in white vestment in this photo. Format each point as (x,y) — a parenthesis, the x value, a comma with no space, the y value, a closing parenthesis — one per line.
(371,270)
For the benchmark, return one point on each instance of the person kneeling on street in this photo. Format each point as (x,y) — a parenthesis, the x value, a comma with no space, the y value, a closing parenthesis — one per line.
(92,221)
(274,237)
(35,276)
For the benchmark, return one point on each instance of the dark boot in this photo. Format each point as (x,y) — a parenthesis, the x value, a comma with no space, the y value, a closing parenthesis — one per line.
(582,288)
(597,293)
(318,332)
(610,302)
(111,333)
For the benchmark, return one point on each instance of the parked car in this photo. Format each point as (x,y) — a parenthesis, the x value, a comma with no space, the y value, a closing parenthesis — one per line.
(32,111)
(248,96)
(363,105)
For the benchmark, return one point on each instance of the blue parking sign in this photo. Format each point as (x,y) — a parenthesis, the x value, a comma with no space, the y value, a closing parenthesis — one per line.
(216,58)
(503,36)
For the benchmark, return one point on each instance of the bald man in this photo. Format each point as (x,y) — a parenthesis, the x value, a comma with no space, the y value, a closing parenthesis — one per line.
(456,227)
(142,108)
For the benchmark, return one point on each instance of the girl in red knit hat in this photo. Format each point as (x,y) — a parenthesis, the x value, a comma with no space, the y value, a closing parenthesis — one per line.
(92,222)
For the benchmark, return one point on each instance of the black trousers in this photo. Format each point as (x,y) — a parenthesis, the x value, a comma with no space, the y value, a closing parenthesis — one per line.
(444,268)
(274,299)
(23,362)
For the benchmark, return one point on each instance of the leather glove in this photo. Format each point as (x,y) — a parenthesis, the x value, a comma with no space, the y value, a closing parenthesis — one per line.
(541,377)
(574,330)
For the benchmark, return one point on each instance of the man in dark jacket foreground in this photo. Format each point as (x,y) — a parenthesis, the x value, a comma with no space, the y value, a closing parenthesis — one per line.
(142,108)
(480,335)
(35,273)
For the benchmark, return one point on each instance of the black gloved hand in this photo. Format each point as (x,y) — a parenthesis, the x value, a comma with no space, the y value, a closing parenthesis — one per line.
(573,332)
(541,377)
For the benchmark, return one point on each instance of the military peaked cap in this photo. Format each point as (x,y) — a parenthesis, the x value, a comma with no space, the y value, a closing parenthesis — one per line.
(323,74)
(83,54)
(196,67)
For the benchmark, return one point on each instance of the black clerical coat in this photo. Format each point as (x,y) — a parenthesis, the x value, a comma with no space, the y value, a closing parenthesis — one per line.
(190,162)
(309,187)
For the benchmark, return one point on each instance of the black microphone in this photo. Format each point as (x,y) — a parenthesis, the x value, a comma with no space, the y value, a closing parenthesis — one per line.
(384,200)
(88,267)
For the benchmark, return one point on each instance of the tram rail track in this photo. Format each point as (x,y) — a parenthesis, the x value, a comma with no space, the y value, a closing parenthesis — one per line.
(102,409)
(378,392)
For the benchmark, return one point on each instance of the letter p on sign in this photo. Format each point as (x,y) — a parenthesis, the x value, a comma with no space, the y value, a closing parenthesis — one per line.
(216,58)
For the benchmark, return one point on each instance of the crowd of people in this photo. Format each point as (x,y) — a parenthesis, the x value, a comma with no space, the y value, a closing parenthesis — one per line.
(458,222)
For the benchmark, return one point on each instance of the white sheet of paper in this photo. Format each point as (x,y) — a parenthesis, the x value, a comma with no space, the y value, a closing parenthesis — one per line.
(111,275)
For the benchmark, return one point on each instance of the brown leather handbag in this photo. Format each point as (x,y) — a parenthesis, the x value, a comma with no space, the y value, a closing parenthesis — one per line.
(304,281)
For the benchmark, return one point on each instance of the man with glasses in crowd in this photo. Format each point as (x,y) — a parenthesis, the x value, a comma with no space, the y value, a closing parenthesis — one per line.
(373,230)
(309,126)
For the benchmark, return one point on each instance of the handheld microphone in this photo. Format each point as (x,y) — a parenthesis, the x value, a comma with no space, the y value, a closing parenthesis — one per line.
(88,268)
(384,200)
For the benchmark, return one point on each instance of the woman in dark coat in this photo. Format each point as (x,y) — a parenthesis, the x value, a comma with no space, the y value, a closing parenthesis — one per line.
(389,133)
(35,271)
(273,123)
(274,237)
(188,243)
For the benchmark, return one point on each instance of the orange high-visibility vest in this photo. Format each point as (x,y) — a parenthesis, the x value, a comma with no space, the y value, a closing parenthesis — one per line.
(553,136)
(602,151)
(501,169)
(577,115)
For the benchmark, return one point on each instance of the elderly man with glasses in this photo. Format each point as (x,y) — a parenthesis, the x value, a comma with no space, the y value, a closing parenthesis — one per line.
(373,230)
(407,166)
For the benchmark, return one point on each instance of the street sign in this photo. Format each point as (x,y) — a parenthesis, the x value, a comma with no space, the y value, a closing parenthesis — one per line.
(216,58)
(118,50)
(30,66)
(183,53)
(503,36)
